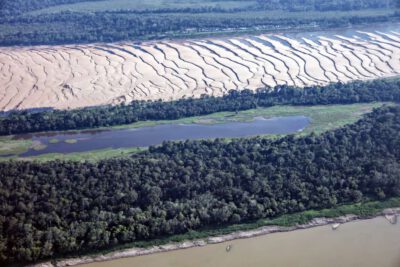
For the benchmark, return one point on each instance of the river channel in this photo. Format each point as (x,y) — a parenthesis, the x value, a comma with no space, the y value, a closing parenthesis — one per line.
(367,243)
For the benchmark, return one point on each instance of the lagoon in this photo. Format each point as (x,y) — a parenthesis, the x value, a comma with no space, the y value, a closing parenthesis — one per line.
(71,142)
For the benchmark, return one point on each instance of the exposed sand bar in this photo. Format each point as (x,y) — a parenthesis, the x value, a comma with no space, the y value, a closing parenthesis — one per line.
(74,76)
(388,213)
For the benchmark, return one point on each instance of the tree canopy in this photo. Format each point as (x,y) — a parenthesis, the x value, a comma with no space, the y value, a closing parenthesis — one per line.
(59,207)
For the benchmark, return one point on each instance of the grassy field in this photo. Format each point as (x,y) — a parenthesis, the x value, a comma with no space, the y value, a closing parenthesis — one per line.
(270,15)
(10,146)
(128,5)
(94,155)
(322,118)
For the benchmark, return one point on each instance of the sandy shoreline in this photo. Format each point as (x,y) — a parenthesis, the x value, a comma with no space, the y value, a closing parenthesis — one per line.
(73,76)
(390,214)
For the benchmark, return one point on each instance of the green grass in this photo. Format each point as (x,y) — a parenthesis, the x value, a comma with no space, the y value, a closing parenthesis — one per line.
(126,5)
(323,118)
(138,5)
(71,141)
(94,155)
(10,146)
(365,209)
(39,147)
(54,141)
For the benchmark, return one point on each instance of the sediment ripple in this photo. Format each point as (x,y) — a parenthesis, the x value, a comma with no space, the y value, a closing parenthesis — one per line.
(74,76)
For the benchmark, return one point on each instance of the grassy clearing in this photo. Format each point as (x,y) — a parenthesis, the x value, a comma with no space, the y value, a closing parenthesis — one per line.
(9,146)
(323,118)
(126,5)
(39,147)
(54,141)
(71,141)
(281,14)
(94,155)
(137,5)
(364,209)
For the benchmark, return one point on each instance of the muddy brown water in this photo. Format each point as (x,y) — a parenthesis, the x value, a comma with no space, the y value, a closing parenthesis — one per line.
(368,243)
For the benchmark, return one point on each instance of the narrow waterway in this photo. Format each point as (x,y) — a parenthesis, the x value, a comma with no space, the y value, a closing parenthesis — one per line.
(70,142)
(368,243)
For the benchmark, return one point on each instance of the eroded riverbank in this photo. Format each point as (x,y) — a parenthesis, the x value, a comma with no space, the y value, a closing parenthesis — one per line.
(126,255)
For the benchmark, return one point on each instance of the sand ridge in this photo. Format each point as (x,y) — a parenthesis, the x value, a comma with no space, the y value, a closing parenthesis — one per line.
(73,76)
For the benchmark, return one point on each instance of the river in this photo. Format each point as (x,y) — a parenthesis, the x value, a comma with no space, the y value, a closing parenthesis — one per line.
(69,142)
(367,243)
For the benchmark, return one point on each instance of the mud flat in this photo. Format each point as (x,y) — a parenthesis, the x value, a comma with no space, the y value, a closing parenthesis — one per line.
(86,75)
(167,259)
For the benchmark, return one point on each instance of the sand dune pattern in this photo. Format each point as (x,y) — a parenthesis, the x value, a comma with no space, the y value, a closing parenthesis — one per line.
(86,75)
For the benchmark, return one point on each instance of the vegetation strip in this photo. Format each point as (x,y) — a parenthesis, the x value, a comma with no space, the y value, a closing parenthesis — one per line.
(291,222)
(105,22)
(104,116)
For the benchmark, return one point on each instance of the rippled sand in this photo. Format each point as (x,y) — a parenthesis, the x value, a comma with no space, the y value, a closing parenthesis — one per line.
(85,75)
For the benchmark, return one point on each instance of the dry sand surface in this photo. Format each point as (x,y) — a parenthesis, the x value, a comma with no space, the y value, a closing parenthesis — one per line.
(86,75)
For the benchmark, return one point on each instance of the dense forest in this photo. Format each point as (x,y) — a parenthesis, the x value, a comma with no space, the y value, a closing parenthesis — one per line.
(57,208)
(16,7)
(326,5)
(336,93)
(20,27)
(111,27)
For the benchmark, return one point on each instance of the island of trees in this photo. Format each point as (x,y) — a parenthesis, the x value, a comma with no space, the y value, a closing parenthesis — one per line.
(59,207)
(23,22)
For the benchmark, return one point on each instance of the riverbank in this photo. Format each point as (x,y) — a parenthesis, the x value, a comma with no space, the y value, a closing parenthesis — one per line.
(365,211)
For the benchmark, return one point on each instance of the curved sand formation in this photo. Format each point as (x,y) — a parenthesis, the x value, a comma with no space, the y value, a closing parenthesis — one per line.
(87,75)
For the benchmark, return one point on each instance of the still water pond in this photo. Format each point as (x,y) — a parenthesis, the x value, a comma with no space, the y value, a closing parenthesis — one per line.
(146,136)
(370,243)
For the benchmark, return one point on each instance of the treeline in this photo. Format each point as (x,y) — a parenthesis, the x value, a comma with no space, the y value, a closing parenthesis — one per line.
(58,208)
(17,7)
(18,27)
(60,28)
(336,93)
(327,5)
